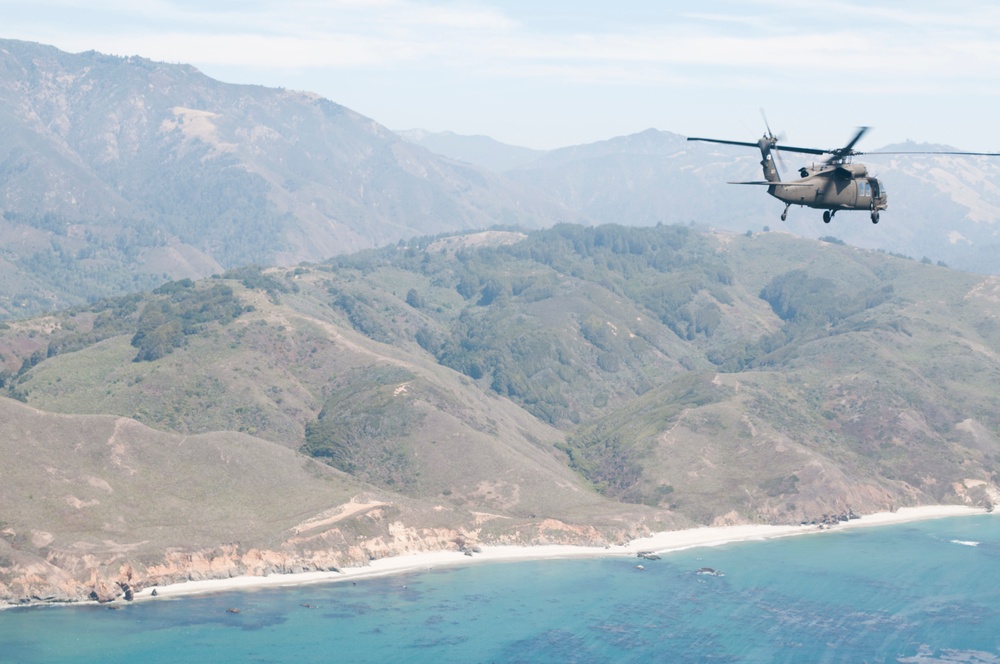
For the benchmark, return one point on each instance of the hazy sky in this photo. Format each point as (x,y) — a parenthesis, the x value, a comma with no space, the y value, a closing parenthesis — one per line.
(548,74)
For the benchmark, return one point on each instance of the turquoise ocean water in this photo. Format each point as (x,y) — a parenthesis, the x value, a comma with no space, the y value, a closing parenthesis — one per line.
(921,592)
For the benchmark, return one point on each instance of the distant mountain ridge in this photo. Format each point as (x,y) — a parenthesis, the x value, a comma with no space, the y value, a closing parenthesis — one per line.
(119,173)
(479,150)
(946,208)
(139,168)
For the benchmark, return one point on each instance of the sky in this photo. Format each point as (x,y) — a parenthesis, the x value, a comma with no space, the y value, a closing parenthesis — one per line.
(551,74)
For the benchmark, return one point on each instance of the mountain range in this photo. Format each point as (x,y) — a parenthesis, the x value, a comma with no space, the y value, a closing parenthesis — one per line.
(117,171)
(117,174)
(248,330)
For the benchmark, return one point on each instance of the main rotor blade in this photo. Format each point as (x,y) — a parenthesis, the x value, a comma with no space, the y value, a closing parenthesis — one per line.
(857,137)
(968,154)
(848,150)
(789,148)
(766,183)
(716,140)
(783,148)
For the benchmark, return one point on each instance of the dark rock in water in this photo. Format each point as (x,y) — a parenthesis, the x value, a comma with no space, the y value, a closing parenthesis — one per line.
(708,571)
(648,555)
(308,606)
(232,611)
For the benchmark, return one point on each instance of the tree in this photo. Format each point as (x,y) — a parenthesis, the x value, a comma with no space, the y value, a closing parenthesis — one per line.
(414,299)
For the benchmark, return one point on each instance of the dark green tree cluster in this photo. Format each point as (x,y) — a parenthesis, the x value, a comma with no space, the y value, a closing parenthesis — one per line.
(113,316)
(222,210)
(48,221)
(364,316)
(359,428)
(662,268)
(799,298)
(671,271)
(811,307)
(608,452)
(610,465)
(184,309)
(415,299)
(255,278)
(517,358)
(64,273)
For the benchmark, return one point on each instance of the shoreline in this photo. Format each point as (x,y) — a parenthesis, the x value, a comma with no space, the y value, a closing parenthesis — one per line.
(659,543)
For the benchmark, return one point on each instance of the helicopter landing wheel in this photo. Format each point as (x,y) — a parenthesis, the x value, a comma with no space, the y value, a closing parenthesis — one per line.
(827,217)
(875,217)
(784,215)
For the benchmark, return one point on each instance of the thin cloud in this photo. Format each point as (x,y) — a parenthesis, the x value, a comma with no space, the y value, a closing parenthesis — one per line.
(352,33)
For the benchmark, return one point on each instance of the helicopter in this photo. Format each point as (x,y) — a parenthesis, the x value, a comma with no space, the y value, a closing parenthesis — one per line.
(832,185)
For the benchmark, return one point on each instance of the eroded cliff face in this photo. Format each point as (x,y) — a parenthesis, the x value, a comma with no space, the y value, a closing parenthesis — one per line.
(321,544)
(99,507)
(350,535)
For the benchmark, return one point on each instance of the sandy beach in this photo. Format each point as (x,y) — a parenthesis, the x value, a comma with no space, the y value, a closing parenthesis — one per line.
(660,543)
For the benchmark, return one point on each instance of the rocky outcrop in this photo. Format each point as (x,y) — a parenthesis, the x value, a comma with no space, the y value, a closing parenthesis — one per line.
(120,576)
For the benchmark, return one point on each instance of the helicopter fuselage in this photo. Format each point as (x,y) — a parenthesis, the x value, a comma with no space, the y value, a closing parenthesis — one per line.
(833,187)
(835,184)
(830,186)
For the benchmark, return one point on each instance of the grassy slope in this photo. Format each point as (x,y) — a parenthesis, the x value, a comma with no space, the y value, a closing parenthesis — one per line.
(469,459)
(891,405)
(267,373)
(88,500)
(876,405)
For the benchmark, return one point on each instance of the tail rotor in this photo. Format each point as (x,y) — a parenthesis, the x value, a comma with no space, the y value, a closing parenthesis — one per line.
(772,142)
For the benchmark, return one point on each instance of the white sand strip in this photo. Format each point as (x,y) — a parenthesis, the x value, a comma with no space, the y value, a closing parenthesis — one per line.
(664,542)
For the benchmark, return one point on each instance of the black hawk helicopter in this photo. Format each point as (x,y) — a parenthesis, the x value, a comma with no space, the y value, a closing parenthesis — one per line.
(832,185)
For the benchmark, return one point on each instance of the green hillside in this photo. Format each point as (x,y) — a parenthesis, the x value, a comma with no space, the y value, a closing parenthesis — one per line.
(598,381)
